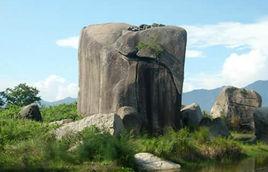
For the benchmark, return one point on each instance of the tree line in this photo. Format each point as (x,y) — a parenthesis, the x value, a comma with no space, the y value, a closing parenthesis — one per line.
(20,95)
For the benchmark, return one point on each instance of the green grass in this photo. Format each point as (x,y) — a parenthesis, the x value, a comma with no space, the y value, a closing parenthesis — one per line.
(26,144)
(63,111)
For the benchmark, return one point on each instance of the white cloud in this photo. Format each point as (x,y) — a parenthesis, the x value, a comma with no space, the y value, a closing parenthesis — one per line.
(68,42)
(7,82)
(55,88)
(239,69)
(194,53)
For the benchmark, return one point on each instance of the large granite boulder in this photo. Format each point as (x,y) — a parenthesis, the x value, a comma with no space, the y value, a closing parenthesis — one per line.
(191,115)
(31,111)
(217,127)
(149,162)
(237,106)
(111,123)
(141,68)
(261,123)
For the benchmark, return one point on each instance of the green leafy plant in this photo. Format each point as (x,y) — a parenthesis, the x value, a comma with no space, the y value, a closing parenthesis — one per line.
(21,95)
(152,45)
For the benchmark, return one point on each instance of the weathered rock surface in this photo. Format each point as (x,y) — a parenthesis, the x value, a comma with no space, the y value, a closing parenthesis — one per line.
(217,127)
(149,162)
(191,115)
(31,111)
(130,117)
(61,122)
(261,123)
(111,123)
(114,72)
(237,106)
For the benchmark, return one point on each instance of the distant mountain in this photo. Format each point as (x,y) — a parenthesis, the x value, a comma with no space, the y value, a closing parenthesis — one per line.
(67,100)
(206,98)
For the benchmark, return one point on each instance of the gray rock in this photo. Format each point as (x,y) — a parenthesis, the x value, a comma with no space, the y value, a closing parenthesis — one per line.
(130,117)
(261,123)
(61,122)
(31,111)
(191,115)
(113,75)
(149,162)
(217,127)
(111,123)
(237,106)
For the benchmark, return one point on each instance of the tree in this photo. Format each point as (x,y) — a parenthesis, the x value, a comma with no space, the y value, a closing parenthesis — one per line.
(21,95)
(2,102)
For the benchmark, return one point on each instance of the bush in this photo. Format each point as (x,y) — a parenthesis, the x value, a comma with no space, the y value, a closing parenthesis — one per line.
(16,130)
(151,44)
(63,111)
(186,147)
(11,112)
(101,147)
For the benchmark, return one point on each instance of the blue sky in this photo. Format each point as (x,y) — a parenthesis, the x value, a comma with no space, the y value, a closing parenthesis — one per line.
(226,39)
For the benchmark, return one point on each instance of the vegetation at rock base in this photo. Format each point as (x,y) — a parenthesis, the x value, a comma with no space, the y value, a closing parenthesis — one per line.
(30,145)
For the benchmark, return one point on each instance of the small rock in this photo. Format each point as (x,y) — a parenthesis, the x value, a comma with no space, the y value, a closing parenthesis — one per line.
(217,126)
(150,162)
(130,118)
(31,111)
(261,123)
(191,115)
(111,123)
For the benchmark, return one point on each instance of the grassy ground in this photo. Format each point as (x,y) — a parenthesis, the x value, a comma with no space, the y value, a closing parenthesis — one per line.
(30,145)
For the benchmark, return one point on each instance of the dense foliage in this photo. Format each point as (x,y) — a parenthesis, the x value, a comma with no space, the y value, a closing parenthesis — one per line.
(63,111)
(31,145)
(20,95)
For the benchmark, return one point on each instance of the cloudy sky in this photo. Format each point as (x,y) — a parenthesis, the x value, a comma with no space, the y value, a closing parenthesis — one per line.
(227,40)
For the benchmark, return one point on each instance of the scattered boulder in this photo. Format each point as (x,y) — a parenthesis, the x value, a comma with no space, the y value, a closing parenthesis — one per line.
(141,69)
(31,111)
(217,127)
(191,115)
(130,118)
(237,106)
(261,123)
(61,122)
(150,162)
(111,123)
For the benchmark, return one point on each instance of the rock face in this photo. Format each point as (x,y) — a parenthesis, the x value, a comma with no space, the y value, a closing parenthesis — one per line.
(31,111)
(149,162)
(217,127)
(191,115)
(111,123)
(237,106)
(261,123)
(131,118)
(142,69)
